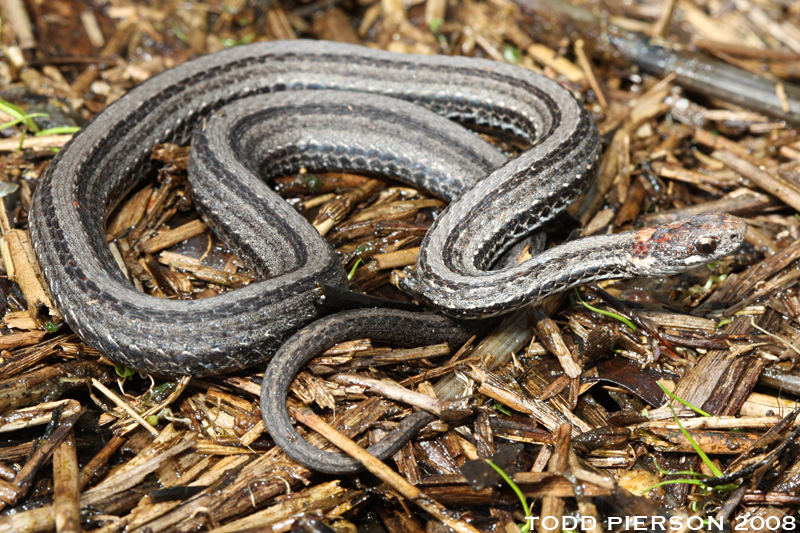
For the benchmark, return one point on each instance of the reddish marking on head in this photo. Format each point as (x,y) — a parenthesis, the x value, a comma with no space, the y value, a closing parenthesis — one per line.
(643,244)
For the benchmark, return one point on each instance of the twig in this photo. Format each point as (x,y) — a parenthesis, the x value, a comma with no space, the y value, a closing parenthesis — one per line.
(388,476)
(125,406)
(445,409)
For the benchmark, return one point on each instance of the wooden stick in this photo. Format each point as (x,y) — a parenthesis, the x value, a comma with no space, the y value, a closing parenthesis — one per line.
(66,487)
(388,476)
(774,186)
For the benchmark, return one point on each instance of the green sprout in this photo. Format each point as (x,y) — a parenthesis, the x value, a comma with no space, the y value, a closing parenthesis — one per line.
(706,460)
(679,472)
(179,33)
(611,314)
(24,118)
(512,54)
(525,527)
(124,372)
(62,130)
(312,182)
(711,466)
(353,270)
(20,116)
(230,43)
(684,402)
(502,408)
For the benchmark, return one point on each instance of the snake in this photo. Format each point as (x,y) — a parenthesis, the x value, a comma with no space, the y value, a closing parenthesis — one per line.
(213,103)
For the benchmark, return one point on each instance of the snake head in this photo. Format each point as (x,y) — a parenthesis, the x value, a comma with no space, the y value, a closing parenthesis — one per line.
(678,246)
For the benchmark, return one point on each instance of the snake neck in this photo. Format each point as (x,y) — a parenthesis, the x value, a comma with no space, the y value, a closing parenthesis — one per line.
(583,260)
(557,269)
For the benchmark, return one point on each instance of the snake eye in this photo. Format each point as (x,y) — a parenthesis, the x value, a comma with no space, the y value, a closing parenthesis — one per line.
(705,245)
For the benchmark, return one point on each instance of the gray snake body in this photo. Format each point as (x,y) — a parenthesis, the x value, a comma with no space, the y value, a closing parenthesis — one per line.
(234,330)
(245,143)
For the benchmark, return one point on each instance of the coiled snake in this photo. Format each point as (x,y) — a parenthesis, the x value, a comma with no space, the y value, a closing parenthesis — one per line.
(232,157)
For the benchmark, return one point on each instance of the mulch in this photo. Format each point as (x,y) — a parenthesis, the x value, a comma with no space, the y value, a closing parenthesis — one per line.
(650,398)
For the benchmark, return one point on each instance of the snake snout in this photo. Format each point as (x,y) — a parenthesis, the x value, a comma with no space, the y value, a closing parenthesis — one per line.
(737,230)
(730,232)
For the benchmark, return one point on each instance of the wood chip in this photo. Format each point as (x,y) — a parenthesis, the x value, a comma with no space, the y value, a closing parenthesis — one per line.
(172,237)
(21,265)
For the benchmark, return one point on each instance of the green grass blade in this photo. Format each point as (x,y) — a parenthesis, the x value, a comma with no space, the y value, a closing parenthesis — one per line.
(353,270)
(610,314)
(62,130)
(18,114)
(21,119)
(711,466)
(684,402)
(516,489)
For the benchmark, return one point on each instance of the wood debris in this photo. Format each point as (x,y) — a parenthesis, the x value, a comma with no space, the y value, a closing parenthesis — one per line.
(583,399)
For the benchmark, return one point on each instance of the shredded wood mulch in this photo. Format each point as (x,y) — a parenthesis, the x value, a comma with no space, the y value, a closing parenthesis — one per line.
(622,404)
